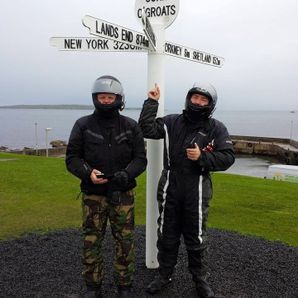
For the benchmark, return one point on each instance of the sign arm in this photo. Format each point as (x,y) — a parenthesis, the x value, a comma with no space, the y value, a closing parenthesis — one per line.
(148,30)
(115,32)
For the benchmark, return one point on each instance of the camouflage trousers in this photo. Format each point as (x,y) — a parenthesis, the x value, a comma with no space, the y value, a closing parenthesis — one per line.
(97,210)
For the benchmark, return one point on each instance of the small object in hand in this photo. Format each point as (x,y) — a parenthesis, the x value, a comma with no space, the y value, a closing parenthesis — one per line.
(192,143)
(103,176)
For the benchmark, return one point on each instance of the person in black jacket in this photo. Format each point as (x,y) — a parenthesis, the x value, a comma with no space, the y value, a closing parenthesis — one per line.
(195,144)
(106,152)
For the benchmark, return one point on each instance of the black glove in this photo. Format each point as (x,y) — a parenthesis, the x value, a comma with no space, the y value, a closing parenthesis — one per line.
(121,179)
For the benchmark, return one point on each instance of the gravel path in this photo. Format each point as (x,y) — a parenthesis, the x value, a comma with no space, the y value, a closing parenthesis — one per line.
(50,265)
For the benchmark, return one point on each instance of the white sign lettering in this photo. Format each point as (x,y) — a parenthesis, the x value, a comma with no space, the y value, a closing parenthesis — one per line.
(115,32)
(92,44)
(192,54)
(158,11)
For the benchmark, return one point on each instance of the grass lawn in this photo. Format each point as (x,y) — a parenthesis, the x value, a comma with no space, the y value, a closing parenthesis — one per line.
(37,194)
(255,206)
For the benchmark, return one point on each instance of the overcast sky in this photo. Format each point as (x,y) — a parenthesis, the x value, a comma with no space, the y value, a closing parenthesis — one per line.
(258,39)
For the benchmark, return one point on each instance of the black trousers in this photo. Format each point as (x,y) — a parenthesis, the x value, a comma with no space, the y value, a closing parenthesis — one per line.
(183,201)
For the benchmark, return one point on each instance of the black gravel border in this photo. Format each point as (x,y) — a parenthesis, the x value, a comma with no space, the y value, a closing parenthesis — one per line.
(240,266)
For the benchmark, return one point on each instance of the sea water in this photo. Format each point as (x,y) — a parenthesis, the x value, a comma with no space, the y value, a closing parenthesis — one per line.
(21,128)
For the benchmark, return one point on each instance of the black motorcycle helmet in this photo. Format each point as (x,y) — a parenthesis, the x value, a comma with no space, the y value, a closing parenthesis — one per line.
(197,112)
(108,84)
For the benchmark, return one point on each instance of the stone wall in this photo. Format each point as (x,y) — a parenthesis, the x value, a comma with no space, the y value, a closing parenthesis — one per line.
(285,150)
(55,152)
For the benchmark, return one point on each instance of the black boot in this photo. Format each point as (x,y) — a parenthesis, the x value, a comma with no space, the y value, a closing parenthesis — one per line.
(124,292)
(203,289)
(158,284)
(93,293)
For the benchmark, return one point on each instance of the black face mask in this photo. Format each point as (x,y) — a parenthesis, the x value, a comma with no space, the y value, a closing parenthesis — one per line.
(196,113)
(103,114)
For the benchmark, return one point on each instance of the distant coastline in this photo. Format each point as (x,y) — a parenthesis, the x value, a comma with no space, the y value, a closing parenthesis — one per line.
(56,107)
(91,107)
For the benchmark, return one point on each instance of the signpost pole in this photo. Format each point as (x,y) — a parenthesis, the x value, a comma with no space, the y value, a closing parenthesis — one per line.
(156,62)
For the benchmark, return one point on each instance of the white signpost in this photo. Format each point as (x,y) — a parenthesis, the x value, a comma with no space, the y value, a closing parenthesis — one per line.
(156,61)
(155,16)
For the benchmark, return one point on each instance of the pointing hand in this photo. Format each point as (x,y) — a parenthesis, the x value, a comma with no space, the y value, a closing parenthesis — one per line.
(154,93)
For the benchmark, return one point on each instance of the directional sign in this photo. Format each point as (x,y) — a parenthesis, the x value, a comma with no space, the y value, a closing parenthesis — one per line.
(158,11)
(92,44)
(115,32)
(123,35)
(179,51)
(148,29)
(107,45)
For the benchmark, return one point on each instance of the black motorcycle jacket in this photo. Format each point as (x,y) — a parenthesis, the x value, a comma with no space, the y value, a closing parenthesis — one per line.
(108,145)
(179,133)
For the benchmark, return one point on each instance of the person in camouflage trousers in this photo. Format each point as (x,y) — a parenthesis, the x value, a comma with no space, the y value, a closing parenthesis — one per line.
(106,152)
(96,212)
